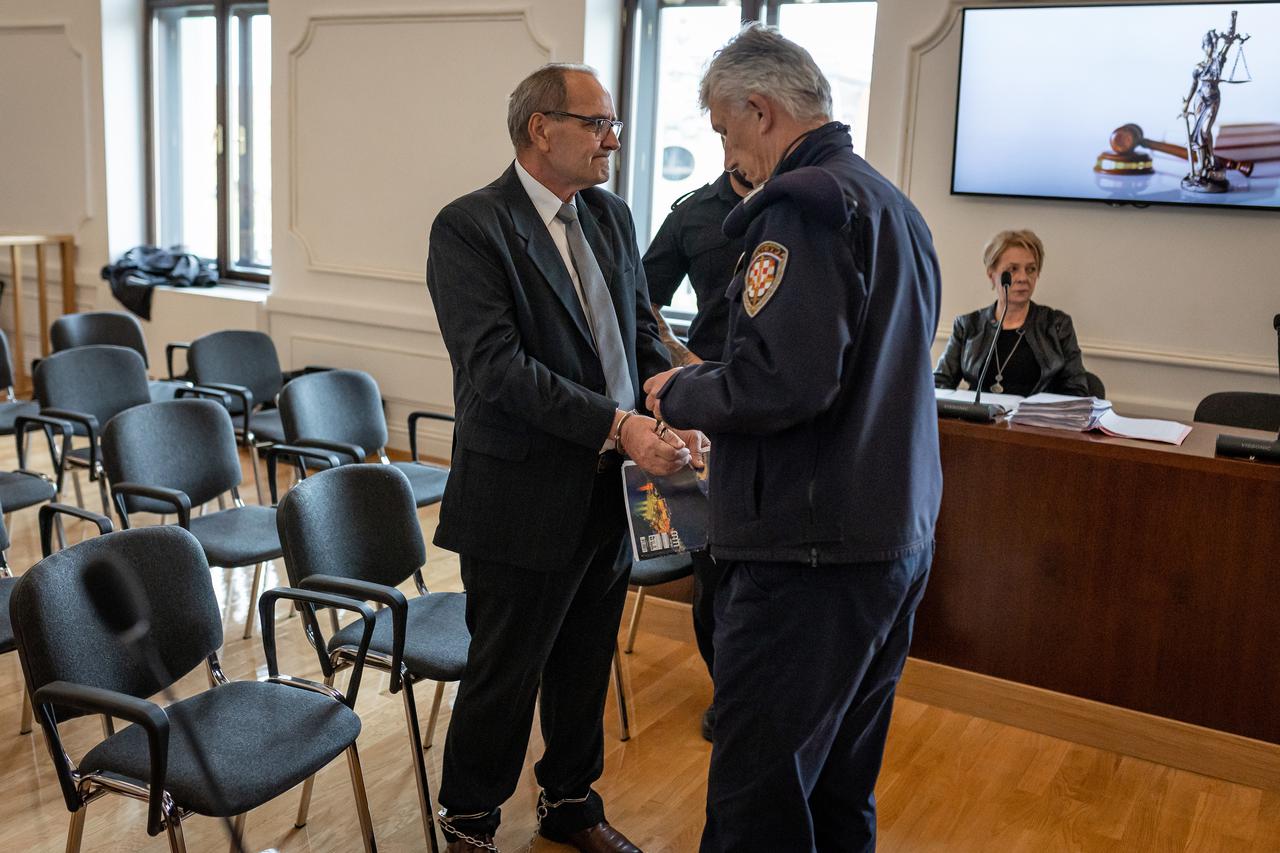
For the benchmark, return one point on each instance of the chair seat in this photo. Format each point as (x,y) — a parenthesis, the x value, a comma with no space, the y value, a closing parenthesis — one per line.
(9,412)
(436,637)
(19,491)
(427,481)
(661,569)
(7,643)
(238,537)
(259,739)
(266,426)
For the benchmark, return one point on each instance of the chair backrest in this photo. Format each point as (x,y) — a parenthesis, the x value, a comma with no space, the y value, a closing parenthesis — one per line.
(87,328)
(6,362)
(97,380)
(1096,388)
(188,445)
(334,405)
(1244,409)
(237,358)
(357,521)
(61,637)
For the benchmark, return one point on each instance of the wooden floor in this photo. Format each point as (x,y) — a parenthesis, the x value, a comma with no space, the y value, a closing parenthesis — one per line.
(951,782)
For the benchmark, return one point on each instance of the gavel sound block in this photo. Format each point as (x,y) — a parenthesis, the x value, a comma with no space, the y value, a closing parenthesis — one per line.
(1125,159)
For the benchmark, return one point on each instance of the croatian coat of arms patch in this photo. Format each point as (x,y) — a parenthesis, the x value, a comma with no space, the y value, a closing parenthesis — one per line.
(764,276)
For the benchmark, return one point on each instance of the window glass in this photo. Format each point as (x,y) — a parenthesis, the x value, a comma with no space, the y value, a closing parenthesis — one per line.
(249,166)
(840,37)
(184,47)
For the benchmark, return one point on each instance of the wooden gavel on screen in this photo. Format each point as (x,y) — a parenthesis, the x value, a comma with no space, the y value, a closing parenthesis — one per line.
(1126,138)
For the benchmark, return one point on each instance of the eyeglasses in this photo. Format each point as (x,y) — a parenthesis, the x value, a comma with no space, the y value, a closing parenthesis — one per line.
(600,126)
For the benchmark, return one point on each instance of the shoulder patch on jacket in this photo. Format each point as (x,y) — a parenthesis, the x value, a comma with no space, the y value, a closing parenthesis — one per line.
(764,276)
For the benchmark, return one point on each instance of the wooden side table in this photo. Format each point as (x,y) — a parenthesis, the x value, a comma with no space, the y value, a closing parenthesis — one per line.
(67,249)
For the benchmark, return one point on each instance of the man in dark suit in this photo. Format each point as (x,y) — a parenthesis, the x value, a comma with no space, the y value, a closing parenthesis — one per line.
(541,299)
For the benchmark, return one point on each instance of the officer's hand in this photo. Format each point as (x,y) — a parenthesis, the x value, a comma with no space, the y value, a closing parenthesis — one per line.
(697,444)
(653,385)
(658,455)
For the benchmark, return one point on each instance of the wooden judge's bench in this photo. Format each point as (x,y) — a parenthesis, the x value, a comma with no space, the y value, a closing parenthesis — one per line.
(1118,593)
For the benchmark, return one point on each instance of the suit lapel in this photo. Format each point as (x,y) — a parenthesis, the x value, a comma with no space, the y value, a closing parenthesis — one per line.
(543,252)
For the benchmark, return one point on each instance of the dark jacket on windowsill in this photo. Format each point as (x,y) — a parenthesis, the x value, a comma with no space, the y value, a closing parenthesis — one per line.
(1050,335)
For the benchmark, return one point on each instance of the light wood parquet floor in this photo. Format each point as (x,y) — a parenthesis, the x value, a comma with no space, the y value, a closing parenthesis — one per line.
(951,782)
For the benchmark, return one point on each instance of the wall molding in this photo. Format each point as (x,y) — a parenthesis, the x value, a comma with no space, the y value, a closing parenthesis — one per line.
(1170,742)
(463,14)
(63,28)
(354,313)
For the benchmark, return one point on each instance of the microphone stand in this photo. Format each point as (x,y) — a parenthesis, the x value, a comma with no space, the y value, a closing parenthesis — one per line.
(1253,449)
(978,412)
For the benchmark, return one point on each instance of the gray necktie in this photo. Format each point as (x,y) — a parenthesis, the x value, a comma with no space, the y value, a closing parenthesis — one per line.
(601,317)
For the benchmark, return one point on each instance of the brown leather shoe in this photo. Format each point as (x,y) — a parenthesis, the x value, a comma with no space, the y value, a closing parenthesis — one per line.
(601,838)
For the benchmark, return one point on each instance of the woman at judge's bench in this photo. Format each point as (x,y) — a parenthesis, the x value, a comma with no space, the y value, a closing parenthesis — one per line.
(1036,348)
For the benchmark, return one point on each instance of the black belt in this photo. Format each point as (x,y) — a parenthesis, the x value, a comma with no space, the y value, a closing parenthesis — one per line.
(608,461)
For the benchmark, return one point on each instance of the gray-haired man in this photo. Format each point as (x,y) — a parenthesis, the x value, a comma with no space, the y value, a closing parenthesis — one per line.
(826,483)
(541,299)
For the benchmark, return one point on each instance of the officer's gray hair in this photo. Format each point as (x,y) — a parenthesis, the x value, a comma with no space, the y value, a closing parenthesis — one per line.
(758,60)
(542,91)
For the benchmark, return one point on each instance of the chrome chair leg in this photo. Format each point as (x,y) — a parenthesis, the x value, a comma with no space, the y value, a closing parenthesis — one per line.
(362,800)
(222,502)
(435,714)
(104,493)
(173,827)
(257,481)
(75,482)
(305,803)
(108,726)
(75,832)
(237,833)
(58,531)
(419,767)
(27,714)
(635,621)
(253,600)
(624,718)
(333,621)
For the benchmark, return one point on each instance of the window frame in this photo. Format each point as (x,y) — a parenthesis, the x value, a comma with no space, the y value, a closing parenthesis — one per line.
(228,272)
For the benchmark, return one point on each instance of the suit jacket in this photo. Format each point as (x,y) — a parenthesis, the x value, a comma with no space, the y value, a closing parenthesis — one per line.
(531,406)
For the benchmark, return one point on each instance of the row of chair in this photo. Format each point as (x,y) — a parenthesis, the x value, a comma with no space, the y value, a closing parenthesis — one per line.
(194,755)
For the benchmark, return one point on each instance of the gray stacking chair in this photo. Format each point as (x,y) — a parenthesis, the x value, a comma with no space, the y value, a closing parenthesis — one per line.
(175,455)
(88,386)
(48,513)
(354,531)
(1243,409)
(11,408)
(113,328)
(341,411)
(244,364)
(219,753)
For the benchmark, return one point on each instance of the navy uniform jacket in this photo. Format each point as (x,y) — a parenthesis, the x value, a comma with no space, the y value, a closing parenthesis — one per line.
(822,415)
(692,242)
(529,391)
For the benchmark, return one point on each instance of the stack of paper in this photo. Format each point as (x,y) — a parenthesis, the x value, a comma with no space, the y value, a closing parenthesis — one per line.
(1059,411)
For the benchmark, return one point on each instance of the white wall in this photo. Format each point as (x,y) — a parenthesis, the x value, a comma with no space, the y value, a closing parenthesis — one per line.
(385,112)
(52,162)
(1169,303)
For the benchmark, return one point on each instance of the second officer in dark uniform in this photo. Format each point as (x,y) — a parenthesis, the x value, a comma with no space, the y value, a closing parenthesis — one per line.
(826,478)
(692,242)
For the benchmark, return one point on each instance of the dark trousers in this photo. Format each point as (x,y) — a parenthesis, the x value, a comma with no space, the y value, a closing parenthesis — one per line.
(546,636)
(706,579)
(807,661)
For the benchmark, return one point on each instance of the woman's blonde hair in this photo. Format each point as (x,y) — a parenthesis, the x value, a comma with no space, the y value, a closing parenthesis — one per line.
(1006,240)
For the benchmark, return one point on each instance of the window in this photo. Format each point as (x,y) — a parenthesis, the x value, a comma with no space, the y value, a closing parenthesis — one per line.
(673,149)
(210,132)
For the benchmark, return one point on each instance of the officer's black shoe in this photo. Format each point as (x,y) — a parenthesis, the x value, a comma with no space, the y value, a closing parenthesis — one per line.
(709,723)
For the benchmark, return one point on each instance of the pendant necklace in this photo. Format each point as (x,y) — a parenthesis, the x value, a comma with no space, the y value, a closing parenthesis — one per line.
(996,387)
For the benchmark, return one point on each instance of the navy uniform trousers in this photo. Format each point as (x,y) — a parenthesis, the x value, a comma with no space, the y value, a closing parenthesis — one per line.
(806,663)
(552,633)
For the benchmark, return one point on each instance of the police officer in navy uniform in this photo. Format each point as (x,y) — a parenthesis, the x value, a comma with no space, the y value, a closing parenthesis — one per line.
(691,242)
(826,479)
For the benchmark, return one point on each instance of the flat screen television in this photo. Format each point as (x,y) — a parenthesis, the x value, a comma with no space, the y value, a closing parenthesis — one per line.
(1138,104)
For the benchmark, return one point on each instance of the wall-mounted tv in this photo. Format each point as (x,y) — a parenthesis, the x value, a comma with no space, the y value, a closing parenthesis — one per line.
(1140,104)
